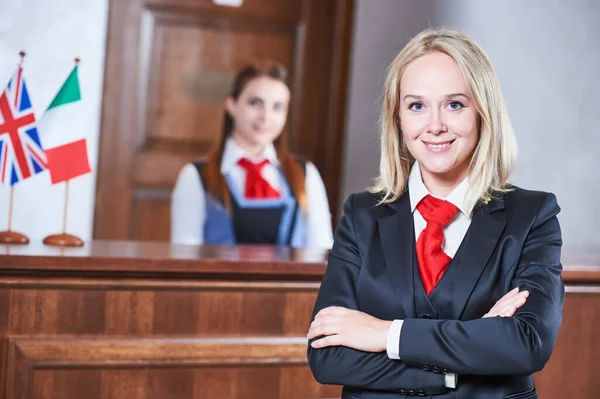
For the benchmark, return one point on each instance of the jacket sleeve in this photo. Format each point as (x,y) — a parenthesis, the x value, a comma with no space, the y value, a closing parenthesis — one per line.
(518,345)
(349,367)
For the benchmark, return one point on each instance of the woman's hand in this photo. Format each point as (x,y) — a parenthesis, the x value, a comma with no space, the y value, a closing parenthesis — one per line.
(354,329)
(508,304)
(350,328)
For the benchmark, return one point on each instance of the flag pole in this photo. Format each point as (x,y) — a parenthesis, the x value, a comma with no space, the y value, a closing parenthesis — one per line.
(63,239)
(9,236)
(12,194)
(66,207)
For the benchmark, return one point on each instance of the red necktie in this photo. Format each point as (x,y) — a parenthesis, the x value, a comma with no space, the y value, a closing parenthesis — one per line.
(433,261)
(256,186)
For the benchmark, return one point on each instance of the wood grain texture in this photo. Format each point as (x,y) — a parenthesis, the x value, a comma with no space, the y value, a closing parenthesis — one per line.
(90,322)
(173,352)
(169,65)
(572,369)
(3,365)
(149,320)
(149,259)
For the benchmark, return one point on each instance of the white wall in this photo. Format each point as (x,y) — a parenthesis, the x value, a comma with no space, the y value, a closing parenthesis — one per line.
(381,28)
(545,52)
(547,57)
(53,33)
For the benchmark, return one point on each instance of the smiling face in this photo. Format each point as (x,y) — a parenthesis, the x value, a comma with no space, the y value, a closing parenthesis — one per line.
(259,113)
(439,122)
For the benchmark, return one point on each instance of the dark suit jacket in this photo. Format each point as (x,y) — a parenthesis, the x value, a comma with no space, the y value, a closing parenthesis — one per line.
(513,241)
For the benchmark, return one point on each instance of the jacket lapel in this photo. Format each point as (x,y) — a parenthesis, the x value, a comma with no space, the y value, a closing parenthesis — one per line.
(396,230)
(487,226)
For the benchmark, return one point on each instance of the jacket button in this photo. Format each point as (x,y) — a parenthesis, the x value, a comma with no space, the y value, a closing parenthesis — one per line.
(403,392)
(426,368)
(426,316)
(436,369)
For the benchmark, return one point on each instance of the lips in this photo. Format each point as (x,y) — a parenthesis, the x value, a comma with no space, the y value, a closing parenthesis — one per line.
(260,129)
(438,146)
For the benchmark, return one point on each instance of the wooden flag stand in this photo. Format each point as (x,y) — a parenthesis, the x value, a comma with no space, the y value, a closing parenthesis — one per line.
(63,239)
(9,236)
(67,161)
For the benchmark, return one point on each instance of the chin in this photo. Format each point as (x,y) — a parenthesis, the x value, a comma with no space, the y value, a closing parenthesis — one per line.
(264,142)
(438,168)
(257,140)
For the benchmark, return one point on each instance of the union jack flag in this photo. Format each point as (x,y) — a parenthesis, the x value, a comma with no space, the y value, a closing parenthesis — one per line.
(21,152)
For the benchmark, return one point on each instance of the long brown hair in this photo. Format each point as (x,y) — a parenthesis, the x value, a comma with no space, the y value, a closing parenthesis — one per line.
(293,172)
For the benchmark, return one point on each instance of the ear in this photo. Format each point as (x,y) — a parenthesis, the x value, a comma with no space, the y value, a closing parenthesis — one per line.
(229,105)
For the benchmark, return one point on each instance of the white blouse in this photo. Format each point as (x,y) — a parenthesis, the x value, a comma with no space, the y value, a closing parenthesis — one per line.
(188,210)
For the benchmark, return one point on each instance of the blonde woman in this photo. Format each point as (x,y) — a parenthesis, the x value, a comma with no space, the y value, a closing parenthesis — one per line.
(443,279)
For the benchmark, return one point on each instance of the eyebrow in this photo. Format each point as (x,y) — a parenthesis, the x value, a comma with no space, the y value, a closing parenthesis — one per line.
(448,96)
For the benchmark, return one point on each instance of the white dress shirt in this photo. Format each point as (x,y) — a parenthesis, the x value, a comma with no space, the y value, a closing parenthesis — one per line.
(188,210)
(454,232)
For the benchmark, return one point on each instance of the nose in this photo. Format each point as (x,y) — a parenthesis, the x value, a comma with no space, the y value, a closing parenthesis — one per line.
(436,124)
(267,113)
(263,114)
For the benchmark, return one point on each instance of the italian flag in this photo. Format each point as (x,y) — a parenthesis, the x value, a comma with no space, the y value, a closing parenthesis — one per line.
(70,159)
(69,93)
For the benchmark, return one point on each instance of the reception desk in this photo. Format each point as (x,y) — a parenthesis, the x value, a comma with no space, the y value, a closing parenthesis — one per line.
(122,320)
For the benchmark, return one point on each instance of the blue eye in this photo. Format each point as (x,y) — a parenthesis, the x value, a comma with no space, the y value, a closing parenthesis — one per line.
(278,107)
(455,105)
(255,102)
(416,107)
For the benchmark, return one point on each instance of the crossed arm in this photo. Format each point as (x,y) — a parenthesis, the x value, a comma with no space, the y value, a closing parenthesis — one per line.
(347,347)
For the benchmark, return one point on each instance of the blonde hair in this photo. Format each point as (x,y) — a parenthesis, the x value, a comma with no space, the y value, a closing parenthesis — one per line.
(496,150)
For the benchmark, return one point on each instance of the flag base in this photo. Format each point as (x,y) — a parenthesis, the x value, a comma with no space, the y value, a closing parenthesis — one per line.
(63,240)
(12,237)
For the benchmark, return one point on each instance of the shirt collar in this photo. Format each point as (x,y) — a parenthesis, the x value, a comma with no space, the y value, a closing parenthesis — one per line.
(417,191)
(232,153)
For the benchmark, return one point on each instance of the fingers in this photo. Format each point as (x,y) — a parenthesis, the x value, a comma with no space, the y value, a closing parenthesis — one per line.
(509,307)
(513,295)
(330,321)
(505,299)
(508,304)
(325,326)
(331,340)
(332,310)
(510,294)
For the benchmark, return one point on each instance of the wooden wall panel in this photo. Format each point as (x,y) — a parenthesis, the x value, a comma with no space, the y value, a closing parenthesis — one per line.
(163,368)
(176,383)
(3,364)
(287,10)
(169,66)
(111,308)
(129,320)
(72,337)
(572,369)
